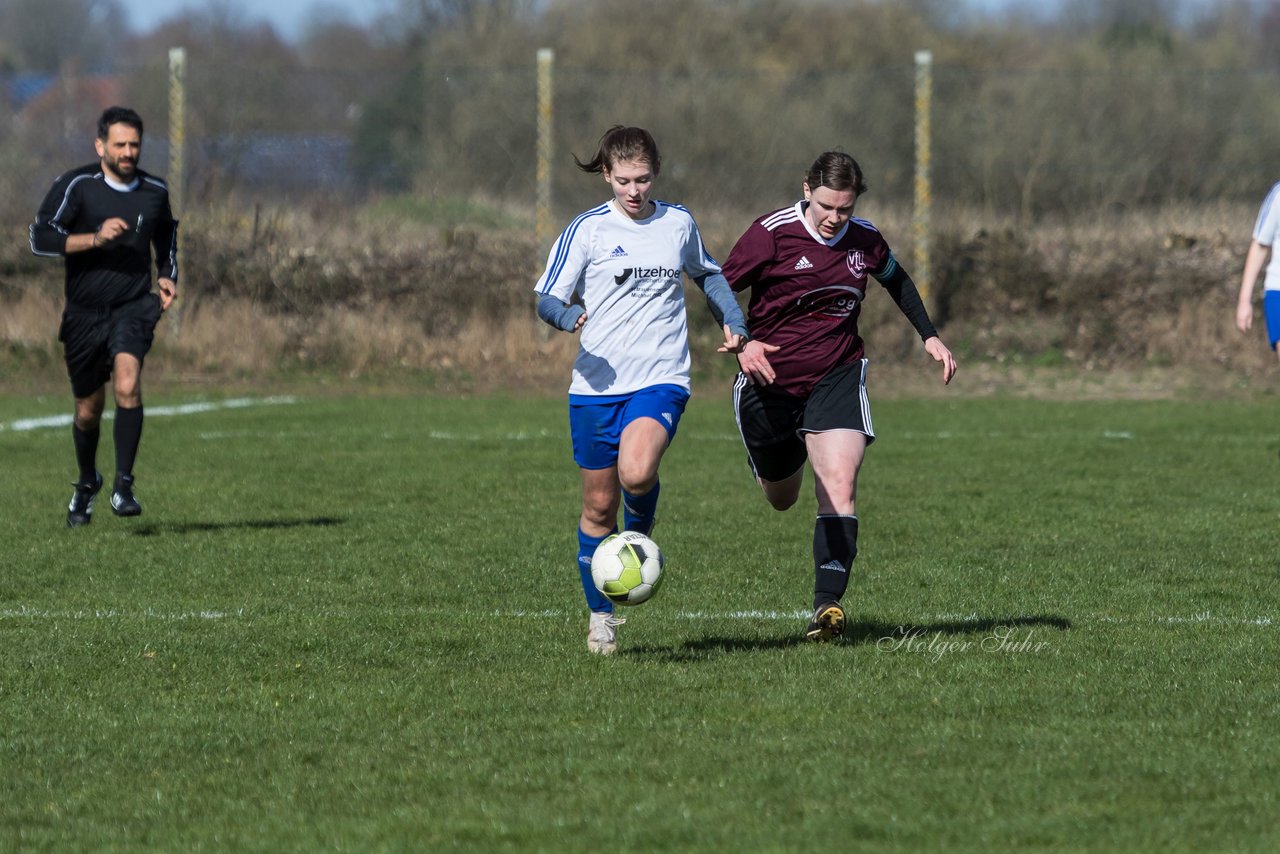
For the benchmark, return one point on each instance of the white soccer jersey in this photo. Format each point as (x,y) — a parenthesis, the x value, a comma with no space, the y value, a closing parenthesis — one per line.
(1267,232)
(628,275)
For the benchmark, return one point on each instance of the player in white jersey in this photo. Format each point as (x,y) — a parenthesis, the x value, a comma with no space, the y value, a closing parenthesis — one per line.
(1265,232)
(614,275)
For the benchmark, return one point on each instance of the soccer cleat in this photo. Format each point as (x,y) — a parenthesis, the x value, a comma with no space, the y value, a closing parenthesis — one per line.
(122,501)
(80,510)
(827,623)
(602,635)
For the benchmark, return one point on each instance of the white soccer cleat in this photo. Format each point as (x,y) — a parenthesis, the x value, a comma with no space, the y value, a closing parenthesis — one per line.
(602,633)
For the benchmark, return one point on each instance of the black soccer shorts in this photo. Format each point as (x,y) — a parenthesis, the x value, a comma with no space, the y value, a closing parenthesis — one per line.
(91,338)
(773,425)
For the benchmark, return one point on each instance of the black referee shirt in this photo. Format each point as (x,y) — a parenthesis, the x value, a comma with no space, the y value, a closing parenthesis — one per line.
(78,203)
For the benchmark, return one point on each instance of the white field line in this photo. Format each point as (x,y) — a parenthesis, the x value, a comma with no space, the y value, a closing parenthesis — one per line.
(50,421)
(519,436)
(945,435)
(904,435)
(26,612)
(64,420)
(214,435)
(1124,435)
(560,435)
(787,616)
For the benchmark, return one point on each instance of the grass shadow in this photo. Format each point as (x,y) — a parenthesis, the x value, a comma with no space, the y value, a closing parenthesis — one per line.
(153,529)
(857,632)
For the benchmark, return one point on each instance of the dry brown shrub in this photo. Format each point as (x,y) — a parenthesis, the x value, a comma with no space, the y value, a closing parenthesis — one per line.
(235,337)
(1123,290)
(30,317)
(358,341)
(284,295)
(515,351)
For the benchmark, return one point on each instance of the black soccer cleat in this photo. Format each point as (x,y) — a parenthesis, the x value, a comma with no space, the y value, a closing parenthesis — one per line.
(827,623)
(80,510)
(122,501)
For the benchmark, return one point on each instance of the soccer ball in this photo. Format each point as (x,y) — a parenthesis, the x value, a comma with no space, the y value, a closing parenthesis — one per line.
(627,568)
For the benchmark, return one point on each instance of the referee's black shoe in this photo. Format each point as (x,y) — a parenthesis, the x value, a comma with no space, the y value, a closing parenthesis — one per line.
(80,510)
(122,501)
(827,623)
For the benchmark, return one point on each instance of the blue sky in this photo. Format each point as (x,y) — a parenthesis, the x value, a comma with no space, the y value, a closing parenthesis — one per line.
(288,16)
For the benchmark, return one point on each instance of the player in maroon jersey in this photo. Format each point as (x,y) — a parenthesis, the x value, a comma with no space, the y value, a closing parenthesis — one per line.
(801,394)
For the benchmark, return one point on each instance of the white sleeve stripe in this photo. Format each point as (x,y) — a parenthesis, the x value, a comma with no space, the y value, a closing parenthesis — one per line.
(778,218)
(31,241)
(864,401)
(66,198)
(173,253)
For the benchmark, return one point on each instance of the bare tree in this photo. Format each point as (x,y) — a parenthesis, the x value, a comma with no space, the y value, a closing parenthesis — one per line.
(50,35)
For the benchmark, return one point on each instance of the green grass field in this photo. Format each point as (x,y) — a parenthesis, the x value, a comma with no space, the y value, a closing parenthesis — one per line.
(354,624)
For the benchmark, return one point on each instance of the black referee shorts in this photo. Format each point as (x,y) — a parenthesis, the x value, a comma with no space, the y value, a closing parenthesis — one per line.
(773,425)
(91,338)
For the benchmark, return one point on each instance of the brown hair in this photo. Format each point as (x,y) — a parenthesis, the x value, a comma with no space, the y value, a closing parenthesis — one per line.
(623,143)
(836,170)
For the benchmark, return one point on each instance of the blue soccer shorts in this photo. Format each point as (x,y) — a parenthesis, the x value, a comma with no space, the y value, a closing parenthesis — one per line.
(1271,310)
(596,422)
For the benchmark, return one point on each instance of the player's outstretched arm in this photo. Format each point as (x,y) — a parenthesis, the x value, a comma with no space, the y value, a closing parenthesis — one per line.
(935,348)
(725,309)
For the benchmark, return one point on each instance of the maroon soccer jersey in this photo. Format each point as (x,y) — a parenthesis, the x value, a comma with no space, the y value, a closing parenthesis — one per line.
(806,292)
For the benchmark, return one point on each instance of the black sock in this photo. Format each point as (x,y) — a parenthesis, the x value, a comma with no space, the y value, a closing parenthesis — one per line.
(128,433)
(86,442)
(835,545)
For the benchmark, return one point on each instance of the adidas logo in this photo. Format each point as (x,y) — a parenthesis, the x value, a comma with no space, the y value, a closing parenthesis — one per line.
(618,252)
(804,264)
(667,416)
(834,566)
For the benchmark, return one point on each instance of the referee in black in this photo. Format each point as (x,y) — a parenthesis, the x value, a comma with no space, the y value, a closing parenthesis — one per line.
(103,219)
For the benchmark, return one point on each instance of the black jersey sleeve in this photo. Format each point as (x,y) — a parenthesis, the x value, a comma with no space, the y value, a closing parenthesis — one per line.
(907,297)
(48,234)
(165,241)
